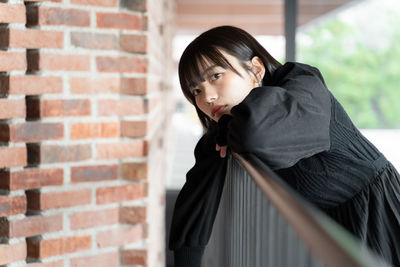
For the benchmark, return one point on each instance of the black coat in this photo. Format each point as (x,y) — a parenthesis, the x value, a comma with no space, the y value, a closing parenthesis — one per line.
(296,127)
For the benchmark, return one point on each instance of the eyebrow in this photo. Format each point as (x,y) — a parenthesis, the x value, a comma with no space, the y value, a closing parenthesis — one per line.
(194,85)
(208,70)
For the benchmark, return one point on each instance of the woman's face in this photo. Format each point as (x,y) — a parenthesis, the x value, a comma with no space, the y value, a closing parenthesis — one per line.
(223,89)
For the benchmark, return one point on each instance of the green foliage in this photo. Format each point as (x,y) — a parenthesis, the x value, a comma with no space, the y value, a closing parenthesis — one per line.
(363,77)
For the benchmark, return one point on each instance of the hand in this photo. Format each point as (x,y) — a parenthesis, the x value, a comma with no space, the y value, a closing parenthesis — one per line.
(222,150)
(222,134)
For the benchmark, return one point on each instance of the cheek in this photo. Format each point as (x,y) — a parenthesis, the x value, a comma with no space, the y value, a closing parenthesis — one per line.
(239,89)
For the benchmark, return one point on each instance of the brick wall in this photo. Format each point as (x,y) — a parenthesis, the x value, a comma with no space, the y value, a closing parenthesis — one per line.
(85,92)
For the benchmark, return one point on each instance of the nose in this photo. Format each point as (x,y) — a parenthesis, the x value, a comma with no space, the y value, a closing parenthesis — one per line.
(210,94)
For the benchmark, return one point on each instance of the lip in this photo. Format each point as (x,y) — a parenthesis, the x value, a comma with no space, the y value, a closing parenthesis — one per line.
(217,110)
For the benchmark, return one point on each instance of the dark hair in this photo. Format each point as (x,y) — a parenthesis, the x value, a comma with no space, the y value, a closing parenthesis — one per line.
(206,48)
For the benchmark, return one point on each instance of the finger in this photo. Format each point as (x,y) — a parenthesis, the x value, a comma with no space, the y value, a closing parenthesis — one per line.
(222,153)
(217,147)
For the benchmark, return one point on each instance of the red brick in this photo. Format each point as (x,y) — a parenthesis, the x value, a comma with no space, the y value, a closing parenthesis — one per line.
(31,38)
(13,157)
(112,194)
(134,257)
(12,253)
(30,132)
(40,108)
(12,108)
(136,5)
(145,189)
(42,15)
(130,149)
(119,21)
(30,178)
(156,141)
(134,86)
(128,64)
(12,13)
(133,215)
(145,23)
(12,61)
(107,3)
(31,226)
(94,173)
(99,260)
(134,171)
(134,129)
(4,38)
(58,153)
(134,43)
(94,40)
(49,61)
(31,85)
(94,85)
(89,219)
(47,264)
(46,248)
(11,205)
(120,236)
(47,201)
(121,107)
(94,130)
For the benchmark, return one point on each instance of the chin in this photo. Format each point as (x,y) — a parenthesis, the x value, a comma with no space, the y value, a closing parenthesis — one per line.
(217,119)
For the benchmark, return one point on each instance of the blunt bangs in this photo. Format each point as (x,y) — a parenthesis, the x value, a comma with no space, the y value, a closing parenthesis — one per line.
(194,61)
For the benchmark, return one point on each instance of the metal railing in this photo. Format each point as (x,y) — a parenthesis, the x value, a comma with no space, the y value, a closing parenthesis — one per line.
(262,222)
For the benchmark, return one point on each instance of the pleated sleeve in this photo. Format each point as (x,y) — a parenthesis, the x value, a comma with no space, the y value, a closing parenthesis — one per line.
(285,121)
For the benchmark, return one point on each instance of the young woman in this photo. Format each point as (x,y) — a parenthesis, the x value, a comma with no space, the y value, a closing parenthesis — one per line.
(282,116)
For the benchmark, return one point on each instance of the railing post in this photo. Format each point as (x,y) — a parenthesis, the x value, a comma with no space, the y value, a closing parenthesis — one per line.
(290,29)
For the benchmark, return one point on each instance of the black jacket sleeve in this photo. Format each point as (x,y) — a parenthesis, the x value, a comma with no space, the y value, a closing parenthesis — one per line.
(197,204)
(286,121)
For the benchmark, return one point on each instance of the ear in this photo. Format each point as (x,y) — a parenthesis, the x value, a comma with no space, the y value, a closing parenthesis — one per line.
(257,67)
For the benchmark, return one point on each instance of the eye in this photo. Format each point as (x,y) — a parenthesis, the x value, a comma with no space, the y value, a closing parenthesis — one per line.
(195,92)
(215,76)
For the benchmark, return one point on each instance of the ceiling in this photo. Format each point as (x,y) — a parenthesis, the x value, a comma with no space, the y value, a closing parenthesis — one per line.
(259,17)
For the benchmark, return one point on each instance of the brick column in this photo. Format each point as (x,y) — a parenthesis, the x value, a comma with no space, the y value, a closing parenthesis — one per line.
(84,107)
